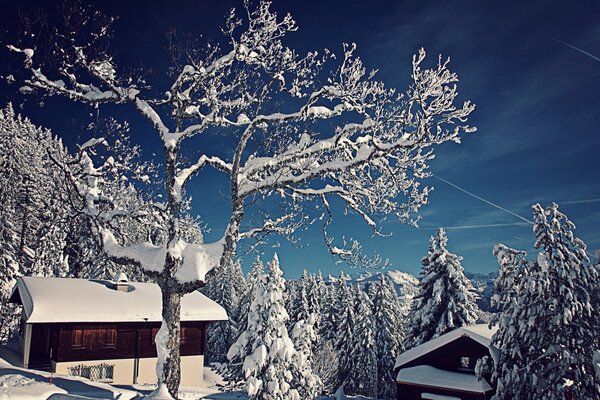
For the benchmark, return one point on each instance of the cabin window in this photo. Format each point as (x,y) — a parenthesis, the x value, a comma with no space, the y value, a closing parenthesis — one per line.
(464,362)
(93,338)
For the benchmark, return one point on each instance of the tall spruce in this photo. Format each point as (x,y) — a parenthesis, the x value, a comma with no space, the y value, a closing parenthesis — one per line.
(546,336)
(445,299)
(362,372)
(389,334)
(268,354)
(344,323)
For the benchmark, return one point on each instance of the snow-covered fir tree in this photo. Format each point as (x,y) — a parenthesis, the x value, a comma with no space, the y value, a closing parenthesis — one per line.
(326,365)
(344,323)
(325,359)
(221,334)
(546,336)
(389,334)
(362,369)
(445,299)
(304,337)
(299,308)
(245,301)
(506,372)
(270,362)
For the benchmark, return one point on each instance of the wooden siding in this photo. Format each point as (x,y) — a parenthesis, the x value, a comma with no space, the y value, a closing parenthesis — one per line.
(95,341)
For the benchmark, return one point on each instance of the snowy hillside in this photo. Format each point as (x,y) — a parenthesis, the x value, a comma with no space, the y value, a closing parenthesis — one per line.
(404,283)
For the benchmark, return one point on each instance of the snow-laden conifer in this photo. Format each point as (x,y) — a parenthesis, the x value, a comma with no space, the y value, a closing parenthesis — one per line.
(265,349)
(445,299)
(221,334)
(362,369)
(546,333)
(344,323)
(389,334)
(304,337)
(299,307)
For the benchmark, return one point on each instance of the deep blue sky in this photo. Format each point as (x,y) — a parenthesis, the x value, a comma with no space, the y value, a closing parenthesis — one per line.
(522,63)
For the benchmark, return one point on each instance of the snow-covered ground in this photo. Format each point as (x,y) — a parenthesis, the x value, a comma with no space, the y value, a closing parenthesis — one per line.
(18,383)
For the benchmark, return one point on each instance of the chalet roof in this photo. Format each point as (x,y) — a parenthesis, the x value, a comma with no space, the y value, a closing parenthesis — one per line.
(47,299)
(425,375)
(481,333)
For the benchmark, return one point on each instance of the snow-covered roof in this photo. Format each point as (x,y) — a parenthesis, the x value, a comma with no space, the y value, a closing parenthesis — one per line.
(425,375)
(81,300)
(481,333)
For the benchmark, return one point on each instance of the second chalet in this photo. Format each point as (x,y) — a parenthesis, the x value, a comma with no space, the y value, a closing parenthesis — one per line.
(444,367)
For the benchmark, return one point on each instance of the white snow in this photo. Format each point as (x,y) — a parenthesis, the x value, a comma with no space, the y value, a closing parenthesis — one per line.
(431,396)
(481,333)
(81,300)
(198,259)
(24,384)
(425,375)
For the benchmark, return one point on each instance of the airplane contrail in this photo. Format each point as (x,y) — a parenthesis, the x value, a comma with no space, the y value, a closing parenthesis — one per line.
(574,48)
(482,199)
(458,227)
(584,201)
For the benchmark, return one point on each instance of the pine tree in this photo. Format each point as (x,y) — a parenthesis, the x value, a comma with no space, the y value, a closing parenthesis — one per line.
(506,372)
(299,306)
(389,334)
(446,298)
(547,337)
(344,325)
(362,374)
(304,337)
(267,351)
(220,334)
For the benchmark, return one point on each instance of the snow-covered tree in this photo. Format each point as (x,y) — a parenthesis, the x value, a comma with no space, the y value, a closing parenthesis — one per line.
(373,155)
(389,334)
(269,356)
(506,372)
(221,334)
(300,309)
(546,335)
(362,370)
(344,325)
(326,365)
(304,337)
(446,298)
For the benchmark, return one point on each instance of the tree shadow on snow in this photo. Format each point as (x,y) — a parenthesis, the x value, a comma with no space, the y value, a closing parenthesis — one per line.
(72,386)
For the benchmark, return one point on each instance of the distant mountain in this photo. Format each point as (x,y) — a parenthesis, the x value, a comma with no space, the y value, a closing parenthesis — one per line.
(405,283)
(484,283)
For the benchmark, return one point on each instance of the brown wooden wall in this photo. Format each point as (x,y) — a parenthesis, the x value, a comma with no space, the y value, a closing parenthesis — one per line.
(102,341)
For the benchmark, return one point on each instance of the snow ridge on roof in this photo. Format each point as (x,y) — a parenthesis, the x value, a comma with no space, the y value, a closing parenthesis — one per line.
(81,300)
(426,375)
(481,333)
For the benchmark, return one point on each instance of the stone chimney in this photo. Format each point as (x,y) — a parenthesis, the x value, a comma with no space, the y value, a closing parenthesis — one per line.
(121,282)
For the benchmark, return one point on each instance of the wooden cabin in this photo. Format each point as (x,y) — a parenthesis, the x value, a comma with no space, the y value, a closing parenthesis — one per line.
(443,368)
(104,330)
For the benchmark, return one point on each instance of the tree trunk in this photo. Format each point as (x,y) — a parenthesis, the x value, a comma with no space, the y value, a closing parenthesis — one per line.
(171,308)
(170,371)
